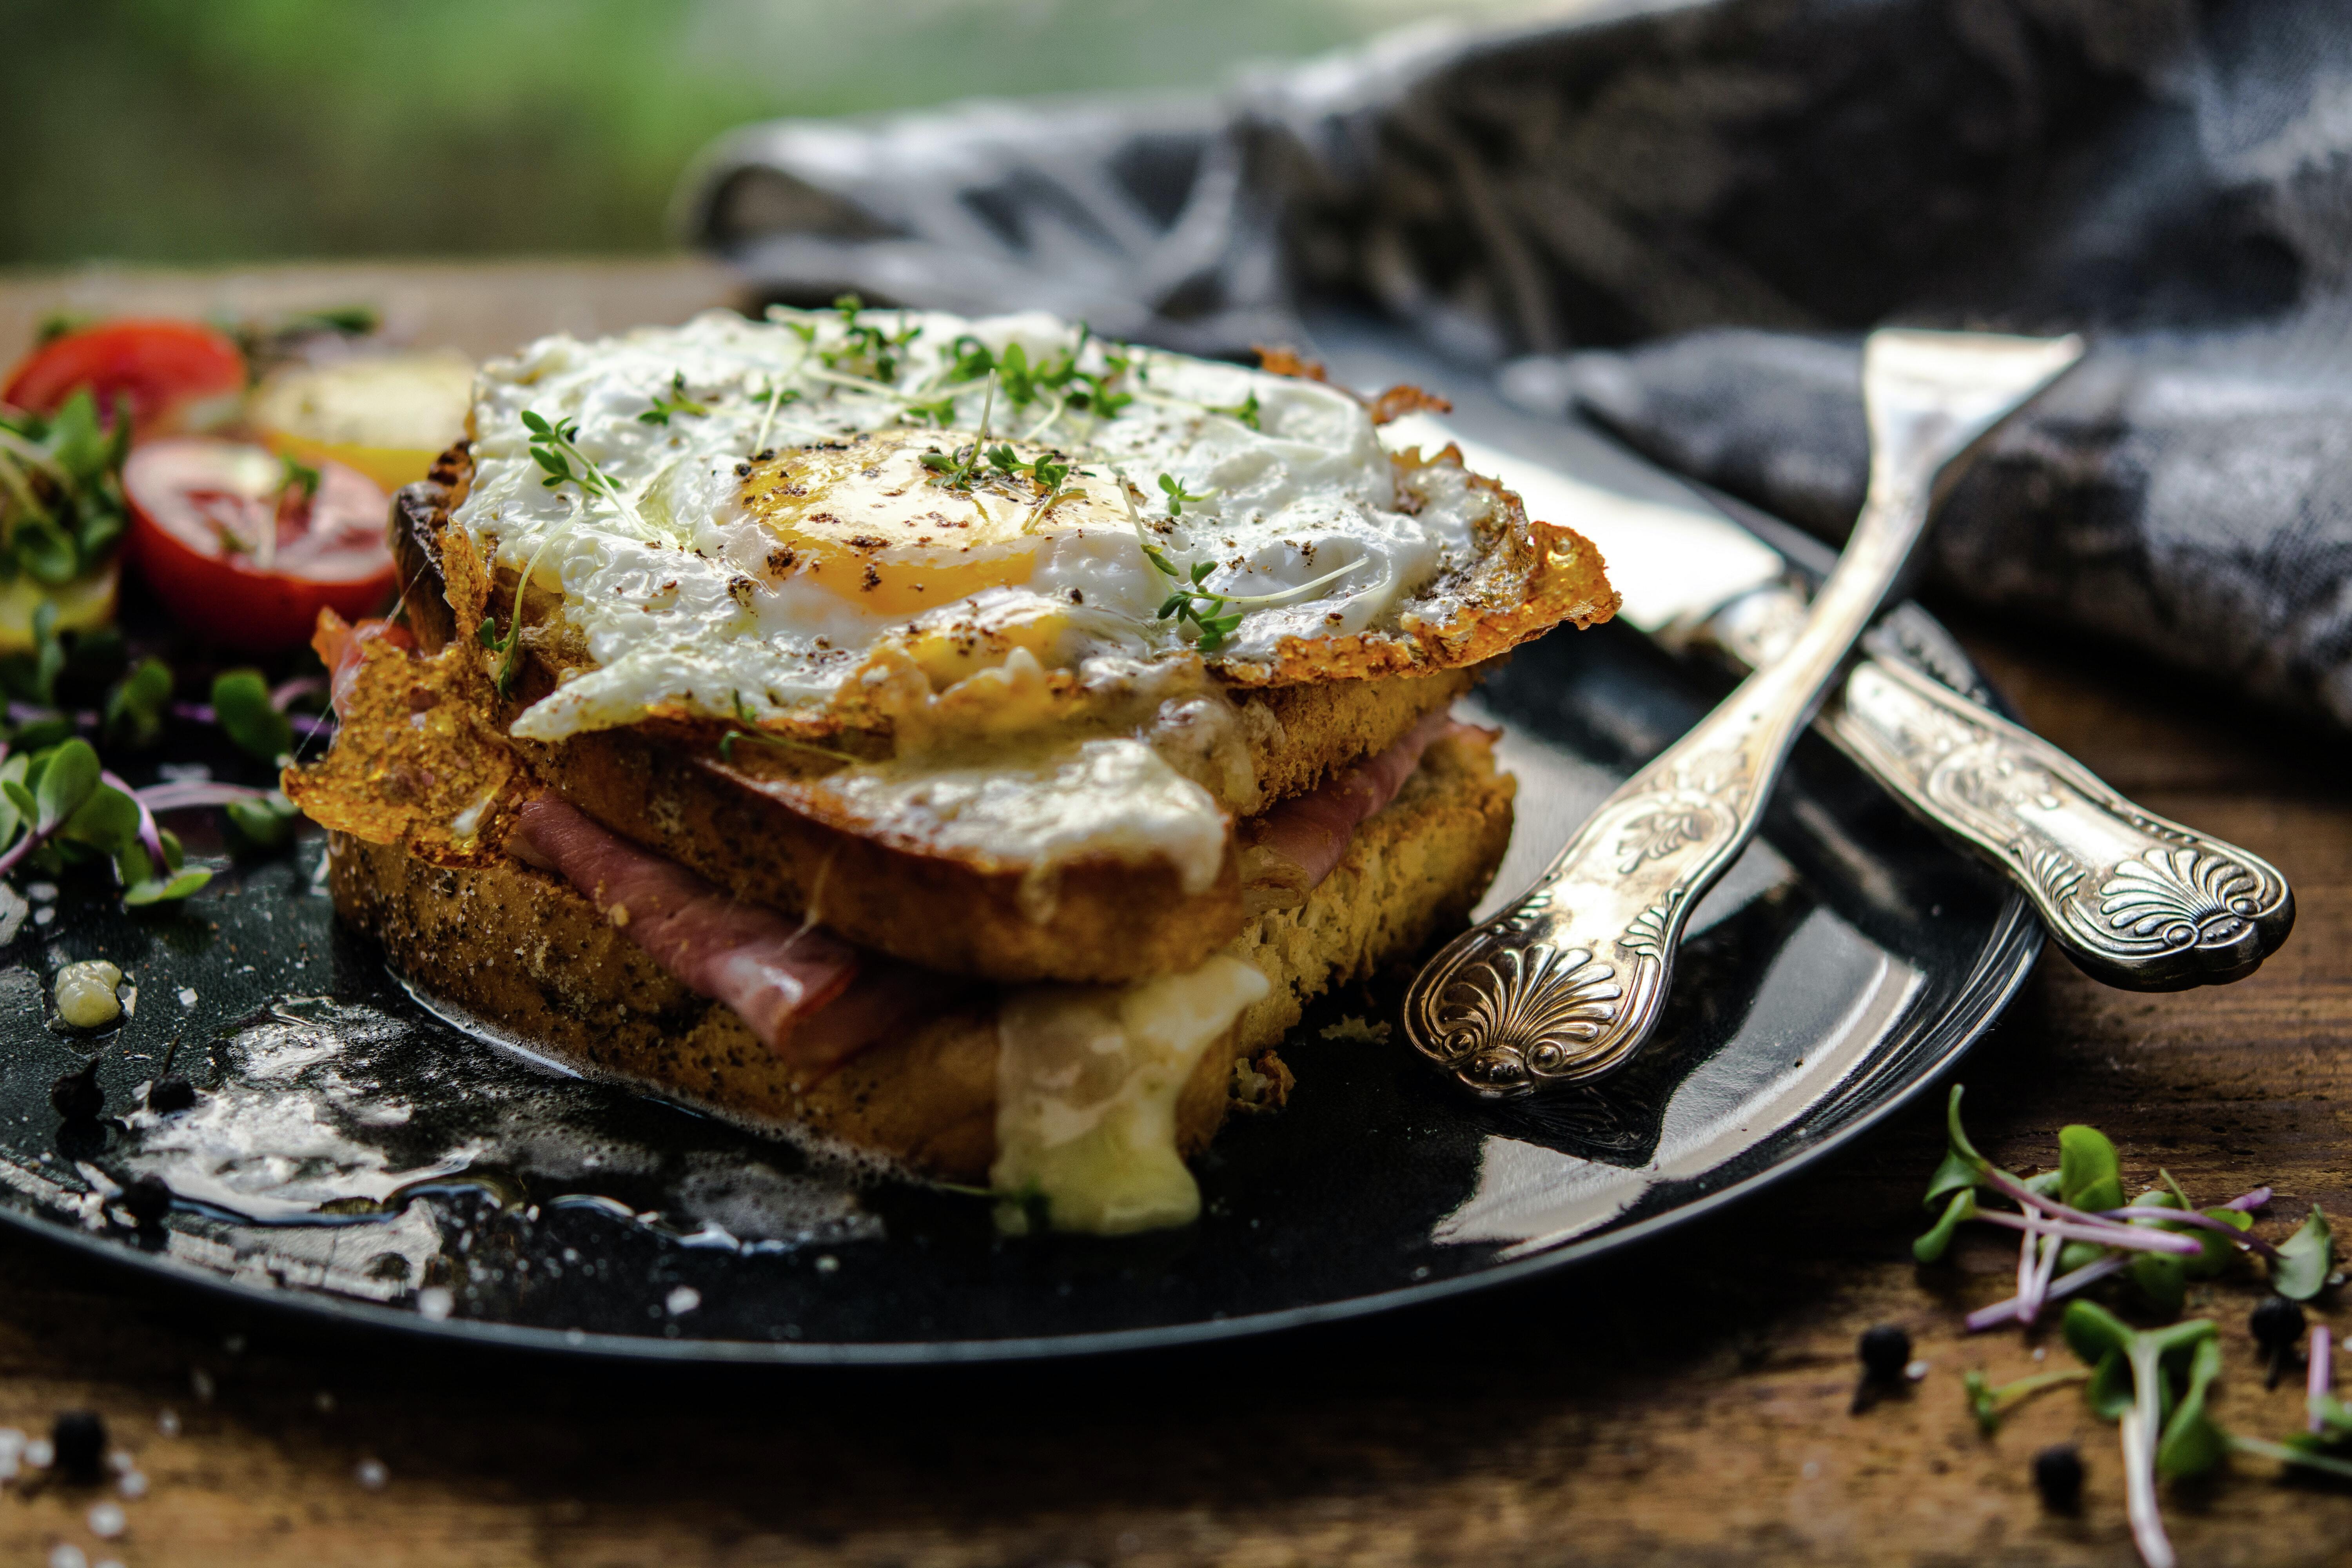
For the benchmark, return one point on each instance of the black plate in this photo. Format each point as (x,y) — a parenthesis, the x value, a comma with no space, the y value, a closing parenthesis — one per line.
(353,1157)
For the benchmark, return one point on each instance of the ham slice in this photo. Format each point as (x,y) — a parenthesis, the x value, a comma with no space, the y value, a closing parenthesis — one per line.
(814,1000)
(1295,845)
(809,996)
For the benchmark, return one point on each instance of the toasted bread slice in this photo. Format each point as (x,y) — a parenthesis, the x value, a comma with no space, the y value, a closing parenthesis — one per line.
(1094,920)
(519,949)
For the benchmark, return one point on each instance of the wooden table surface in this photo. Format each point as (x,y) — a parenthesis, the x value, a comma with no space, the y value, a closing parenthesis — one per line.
(1685,1404)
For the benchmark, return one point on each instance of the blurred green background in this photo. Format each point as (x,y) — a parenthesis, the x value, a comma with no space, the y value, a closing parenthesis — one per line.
(216,130)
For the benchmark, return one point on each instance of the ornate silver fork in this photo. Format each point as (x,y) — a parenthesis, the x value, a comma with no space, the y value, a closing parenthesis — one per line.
(1564,986)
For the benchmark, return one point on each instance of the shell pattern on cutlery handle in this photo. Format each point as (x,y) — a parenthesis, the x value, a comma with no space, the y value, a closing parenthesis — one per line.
(2135,900)
(1563,988)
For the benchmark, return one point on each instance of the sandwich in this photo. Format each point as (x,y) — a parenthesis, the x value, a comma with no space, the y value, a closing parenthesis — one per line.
(967,742)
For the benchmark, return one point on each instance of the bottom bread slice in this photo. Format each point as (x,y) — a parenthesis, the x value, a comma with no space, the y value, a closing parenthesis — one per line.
(519,949)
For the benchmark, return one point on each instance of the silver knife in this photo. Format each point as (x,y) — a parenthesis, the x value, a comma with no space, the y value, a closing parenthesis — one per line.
(2135,900)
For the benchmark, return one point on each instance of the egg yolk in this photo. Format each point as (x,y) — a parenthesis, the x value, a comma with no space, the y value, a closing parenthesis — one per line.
(864,518)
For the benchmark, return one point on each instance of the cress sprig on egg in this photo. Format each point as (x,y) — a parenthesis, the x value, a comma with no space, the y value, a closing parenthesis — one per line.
(861,344)
(676,402)
(1218,620)
(554,447)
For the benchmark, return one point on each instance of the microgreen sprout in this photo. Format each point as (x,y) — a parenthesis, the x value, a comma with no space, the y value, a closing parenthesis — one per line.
(675,402)
(1178,495)
(1213,613)
(2169,1431)
(61,505)
(752,732)
(2327,1427)
(1046,472)
(510,648)
(554,447)
(2156,1382)
(968,359)
(776,397)
(59,806)
(955,471)
(1024,383)
(1096,395)
(299,480)
(2132,1378)
(2075,1218)
(1989,1403)
(1247,410)
(298,488)
(864,345)
(1059,379)
(2319,1376)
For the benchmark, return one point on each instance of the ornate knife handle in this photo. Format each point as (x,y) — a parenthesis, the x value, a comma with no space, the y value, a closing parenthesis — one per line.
(2135,900)
(1565,986)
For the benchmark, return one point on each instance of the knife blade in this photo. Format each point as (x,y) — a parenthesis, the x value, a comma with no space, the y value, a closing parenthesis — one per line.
(2135,899)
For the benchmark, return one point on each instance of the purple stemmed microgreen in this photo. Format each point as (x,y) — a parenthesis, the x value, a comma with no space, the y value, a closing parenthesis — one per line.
(260,818)
(2076,1228)
(255,715)
(2193,1442)
(2304,1259)
(2319,1377)
(2327,1421)
(150,833)
(2058,1290)
(2164,1432)
(2051,1210)
(59,807)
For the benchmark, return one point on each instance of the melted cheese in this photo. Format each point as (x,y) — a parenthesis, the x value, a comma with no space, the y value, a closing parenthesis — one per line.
(1115,797)
(1086,1083)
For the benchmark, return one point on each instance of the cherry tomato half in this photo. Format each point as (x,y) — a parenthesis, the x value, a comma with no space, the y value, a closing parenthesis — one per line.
(240,553)
(170,371)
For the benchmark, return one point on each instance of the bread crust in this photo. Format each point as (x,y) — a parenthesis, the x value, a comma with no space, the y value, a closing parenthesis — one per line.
(521,951)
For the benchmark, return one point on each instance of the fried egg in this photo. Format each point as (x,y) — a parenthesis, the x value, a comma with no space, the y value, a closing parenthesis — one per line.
(745,519)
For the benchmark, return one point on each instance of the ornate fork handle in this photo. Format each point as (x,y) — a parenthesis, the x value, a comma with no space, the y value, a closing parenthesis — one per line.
(1565,987)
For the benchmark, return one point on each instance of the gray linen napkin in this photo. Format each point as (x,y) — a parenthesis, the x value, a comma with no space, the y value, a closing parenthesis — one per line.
(1686,212)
